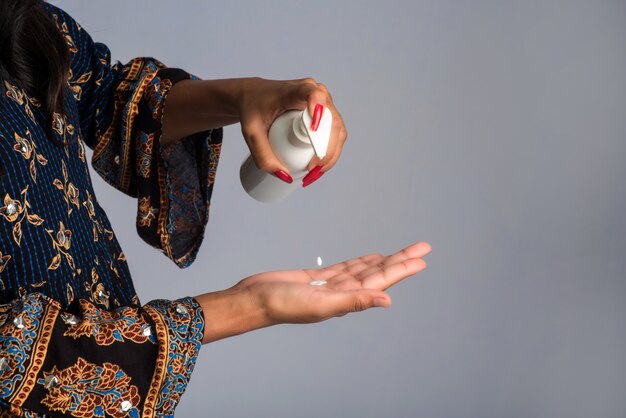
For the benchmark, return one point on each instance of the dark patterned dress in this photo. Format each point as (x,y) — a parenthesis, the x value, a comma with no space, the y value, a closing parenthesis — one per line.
(74,339)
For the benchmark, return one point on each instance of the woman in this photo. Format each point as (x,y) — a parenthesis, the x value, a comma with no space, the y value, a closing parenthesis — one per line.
(74,338)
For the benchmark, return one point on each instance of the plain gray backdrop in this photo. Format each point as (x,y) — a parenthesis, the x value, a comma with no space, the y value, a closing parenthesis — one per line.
(495,130)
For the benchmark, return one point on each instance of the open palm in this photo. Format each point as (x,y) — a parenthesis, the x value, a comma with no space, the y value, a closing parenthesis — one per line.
(351,286)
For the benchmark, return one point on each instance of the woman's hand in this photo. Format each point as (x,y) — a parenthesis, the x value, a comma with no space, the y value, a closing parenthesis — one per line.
(351,286)
(262,101)
(197,105)
(287,296)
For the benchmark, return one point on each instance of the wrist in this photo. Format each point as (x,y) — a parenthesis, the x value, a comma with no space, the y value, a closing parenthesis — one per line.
(225,95)
(231,312)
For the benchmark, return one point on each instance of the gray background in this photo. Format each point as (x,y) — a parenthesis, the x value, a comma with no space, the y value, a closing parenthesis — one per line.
(494,130)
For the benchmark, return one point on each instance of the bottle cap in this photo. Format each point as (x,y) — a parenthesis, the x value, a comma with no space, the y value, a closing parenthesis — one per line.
(320,137)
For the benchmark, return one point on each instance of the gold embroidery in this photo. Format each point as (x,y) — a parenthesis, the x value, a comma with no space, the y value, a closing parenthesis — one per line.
(18,95)
(216,149)
(87,390)
(27,148)
(161,88)
(97,228)
(12,210)
(4,259)
(34,101)
(70,192)
(38,354)
(62,128)
(146,212)
(61,244)
(144,154)
(109,233)
(14,93)
(69,293)
(109,326)
(29,112)
(113,268)
(75,85)
(95,289)
(81,151)
(65,33)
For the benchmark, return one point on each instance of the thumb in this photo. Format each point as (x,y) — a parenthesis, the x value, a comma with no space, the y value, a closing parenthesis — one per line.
(255,134)
(359,300)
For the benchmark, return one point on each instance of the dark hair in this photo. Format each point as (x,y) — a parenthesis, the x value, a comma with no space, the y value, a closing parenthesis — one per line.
(34,55)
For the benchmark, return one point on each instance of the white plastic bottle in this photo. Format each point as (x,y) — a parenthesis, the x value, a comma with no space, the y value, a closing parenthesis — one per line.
(294,143)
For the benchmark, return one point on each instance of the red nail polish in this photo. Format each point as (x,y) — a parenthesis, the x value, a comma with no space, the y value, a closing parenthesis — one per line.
(313,179)
(283,176)
(317,116)
(312,173)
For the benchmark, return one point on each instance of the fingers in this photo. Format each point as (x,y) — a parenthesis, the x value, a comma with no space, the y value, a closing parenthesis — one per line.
(338,136)
(416,250)
(374,262)
(339,303)
(306,94)
(333,156)
(363,261)
(384,276)
(313,93)
(255,133)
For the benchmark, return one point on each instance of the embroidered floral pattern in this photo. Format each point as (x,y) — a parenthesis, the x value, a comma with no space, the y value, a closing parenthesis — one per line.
(214,157)
(81,151)
(76,85)
(146,212)
(27,148)
(70,192)
(107,327)
(144,154)
(69,293)
(14,93)
(21,98)
(61,242)
(97,228)
(161,88)
(88,390)
(62,127)
(95,289)
(181,324)
(65,32)
(21,341)
(12,411)
(15,211)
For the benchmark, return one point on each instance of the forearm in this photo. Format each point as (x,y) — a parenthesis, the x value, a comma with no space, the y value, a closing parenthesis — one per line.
(197,105)
(230,312)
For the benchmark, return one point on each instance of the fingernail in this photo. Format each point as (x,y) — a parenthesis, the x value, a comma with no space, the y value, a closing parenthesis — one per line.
(380,303)
(283,176)
(312,179)
(312,173)
(317,116)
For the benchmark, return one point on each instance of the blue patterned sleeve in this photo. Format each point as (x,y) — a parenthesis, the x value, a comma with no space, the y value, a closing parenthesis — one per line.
(120,107)
(86,362)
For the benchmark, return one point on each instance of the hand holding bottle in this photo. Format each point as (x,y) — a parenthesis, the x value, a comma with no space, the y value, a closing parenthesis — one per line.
(265,100)
(197,105)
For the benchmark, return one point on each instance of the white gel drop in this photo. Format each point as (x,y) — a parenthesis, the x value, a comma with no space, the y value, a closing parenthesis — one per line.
(318,282)
(319,261)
